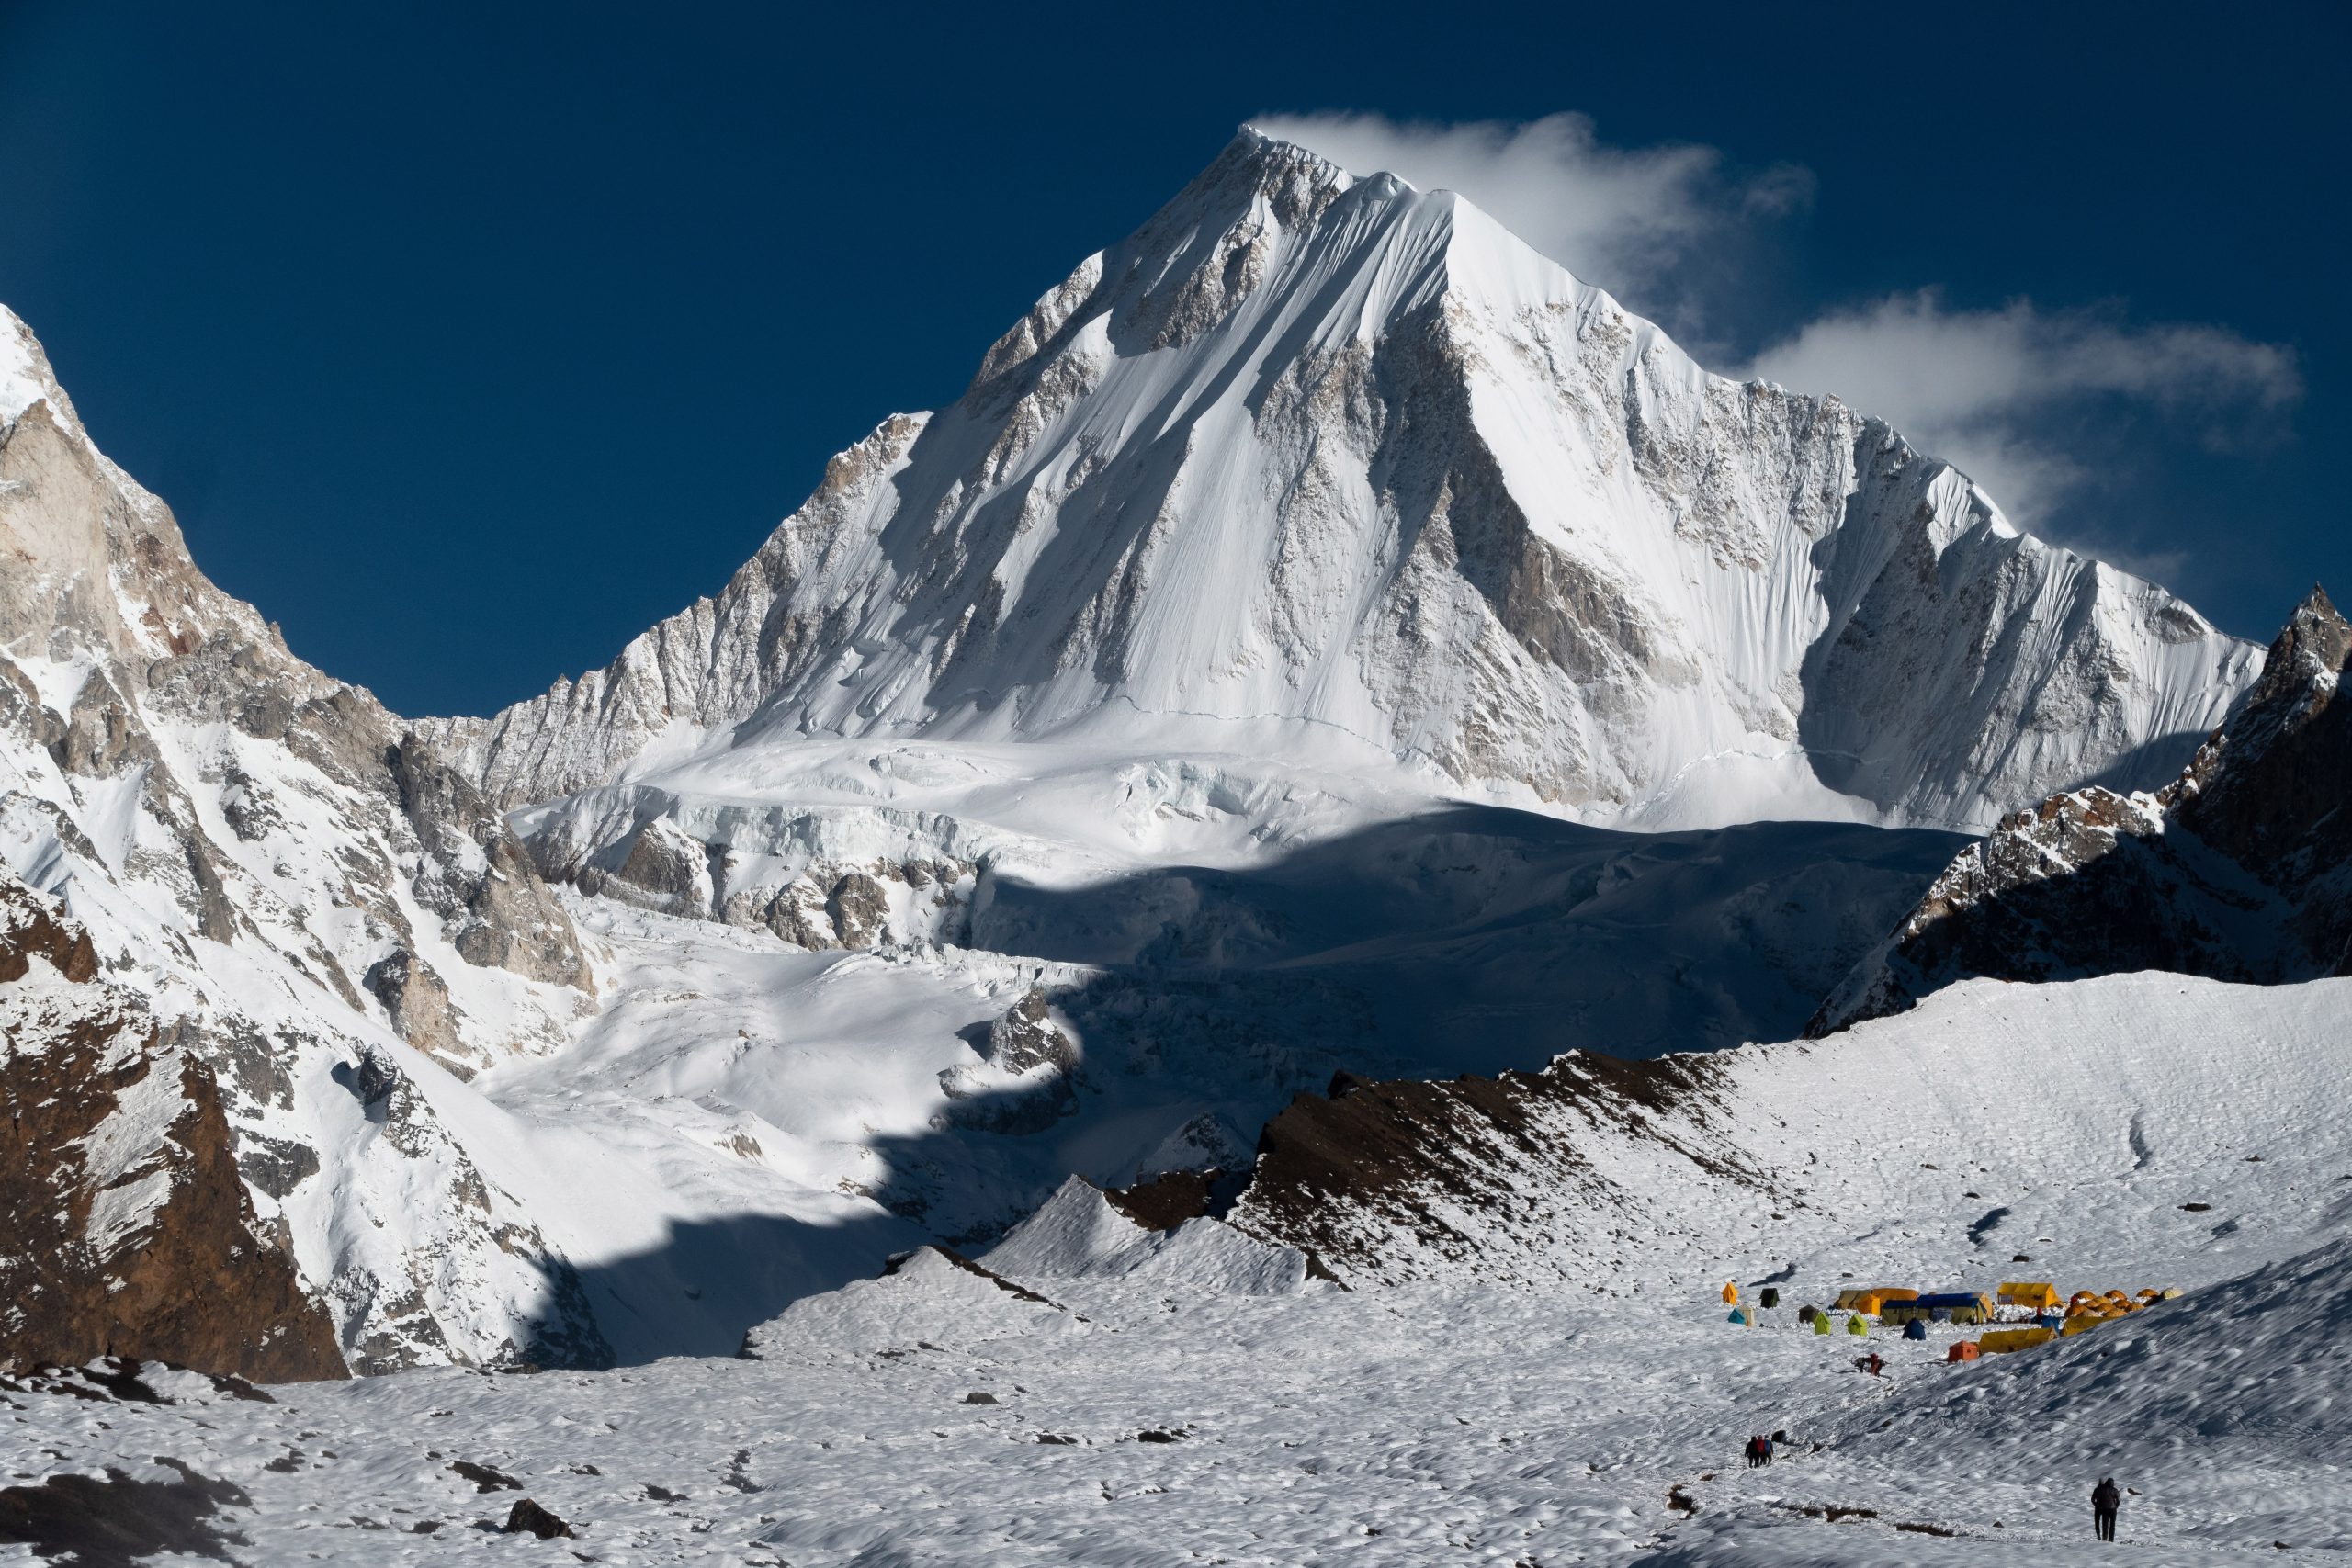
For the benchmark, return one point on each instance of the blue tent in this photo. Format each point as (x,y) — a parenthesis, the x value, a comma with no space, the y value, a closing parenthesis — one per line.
(1956,1306)
(1915,1329)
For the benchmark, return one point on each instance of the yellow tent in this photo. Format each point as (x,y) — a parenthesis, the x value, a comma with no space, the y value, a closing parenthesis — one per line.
(1999,1341)
(1850,1301)
(1731,1292)
(1874,1301)
(2081,1323)
(2038,1294)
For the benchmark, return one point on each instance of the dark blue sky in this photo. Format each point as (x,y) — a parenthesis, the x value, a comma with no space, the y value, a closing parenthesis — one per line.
(467,344)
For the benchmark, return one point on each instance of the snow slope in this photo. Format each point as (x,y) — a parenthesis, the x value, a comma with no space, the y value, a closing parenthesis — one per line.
(1186,1003)
(1336,469)
(938,1416)
(2070,1120)
(1079,1236)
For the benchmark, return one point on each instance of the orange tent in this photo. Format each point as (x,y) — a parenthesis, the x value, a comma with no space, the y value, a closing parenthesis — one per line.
(1963,1350)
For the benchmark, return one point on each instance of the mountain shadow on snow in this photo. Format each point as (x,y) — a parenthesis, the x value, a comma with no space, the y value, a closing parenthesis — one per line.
(1472,939)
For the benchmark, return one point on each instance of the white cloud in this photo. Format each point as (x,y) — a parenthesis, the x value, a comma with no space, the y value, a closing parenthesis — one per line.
(2000,392)
(1623,218)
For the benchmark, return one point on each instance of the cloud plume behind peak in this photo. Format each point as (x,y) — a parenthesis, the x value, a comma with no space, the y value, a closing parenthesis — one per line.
(1998,392)
(1635,219)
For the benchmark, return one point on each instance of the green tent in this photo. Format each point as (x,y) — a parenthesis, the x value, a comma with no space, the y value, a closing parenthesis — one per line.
(1821,1322)
(1858,1326)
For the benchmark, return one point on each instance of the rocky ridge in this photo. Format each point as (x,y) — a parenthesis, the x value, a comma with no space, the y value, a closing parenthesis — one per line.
(310,904)
(2240,869)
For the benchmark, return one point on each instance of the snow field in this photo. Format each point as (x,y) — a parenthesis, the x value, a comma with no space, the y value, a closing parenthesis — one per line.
(1419,1424)
(1462,1421)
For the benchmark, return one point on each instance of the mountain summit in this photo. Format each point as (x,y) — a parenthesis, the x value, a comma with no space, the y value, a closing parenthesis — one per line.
(1333,467)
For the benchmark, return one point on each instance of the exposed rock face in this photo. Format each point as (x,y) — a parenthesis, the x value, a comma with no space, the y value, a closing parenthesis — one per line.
(479,877)
(1027,1039)
(1407,488)
(292,880)
(418,1005)
(1023,1082)
(124,1226)
(2241,869)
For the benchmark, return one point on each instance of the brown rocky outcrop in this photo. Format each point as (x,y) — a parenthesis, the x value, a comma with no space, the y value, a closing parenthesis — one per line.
(1400,1179)
(124,1226)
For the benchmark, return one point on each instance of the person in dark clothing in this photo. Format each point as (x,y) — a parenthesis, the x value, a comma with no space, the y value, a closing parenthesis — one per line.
(1754,1452)
(2105,1501)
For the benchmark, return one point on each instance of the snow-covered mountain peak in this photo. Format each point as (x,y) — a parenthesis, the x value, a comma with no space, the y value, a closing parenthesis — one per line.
(25,376)
(1332,468)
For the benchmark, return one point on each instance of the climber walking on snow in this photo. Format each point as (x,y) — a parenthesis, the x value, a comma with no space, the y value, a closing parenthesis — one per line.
(2105,1501)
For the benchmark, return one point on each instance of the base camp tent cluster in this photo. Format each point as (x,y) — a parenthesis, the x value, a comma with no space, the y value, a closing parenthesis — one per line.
(2033,1308)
